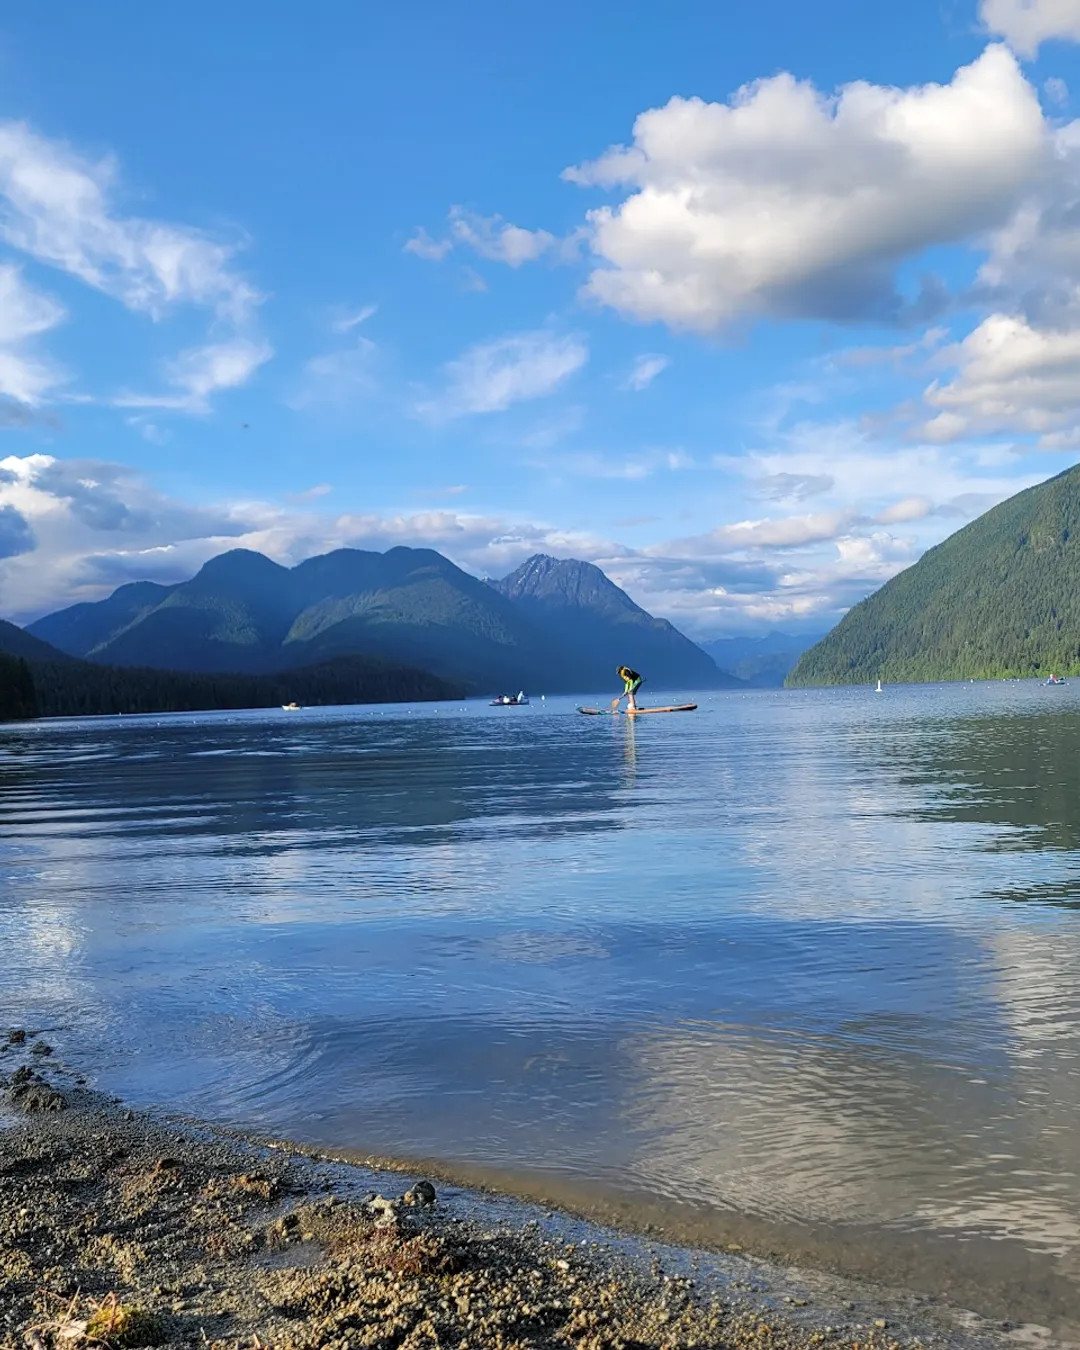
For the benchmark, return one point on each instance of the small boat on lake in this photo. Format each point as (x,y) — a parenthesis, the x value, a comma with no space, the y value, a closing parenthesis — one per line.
(1056,679)
(291,707)
(510,700)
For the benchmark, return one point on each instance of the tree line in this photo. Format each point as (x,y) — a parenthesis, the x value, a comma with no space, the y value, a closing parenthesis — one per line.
(81,689)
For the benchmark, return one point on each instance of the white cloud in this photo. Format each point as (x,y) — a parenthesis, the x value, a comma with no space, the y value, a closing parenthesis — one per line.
(56,206)
(498,240)
(1026,24)
(348,322)
(789,203)
(777,533)
(493,375)
(1011,377)
(646,368)
(422,244)
(491,237)
(24,315)
(906,510)
(199,372)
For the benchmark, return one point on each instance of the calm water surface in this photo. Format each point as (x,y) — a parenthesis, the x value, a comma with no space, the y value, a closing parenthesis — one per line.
(800,970)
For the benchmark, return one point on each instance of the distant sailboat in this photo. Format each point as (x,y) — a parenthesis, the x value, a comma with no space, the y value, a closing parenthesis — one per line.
(878,690)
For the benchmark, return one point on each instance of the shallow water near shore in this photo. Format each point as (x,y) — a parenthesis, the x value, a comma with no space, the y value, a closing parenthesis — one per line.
(800,970)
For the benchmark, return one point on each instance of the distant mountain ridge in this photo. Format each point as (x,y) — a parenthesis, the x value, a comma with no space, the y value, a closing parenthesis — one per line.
(999,598)
(763,661)
(549,626)
(574,602)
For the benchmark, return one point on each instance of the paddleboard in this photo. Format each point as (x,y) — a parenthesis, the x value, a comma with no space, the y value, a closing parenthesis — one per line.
(618,712)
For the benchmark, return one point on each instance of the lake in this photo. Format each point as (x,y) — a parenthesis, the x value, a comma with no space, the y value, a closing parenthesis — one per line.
(798,971)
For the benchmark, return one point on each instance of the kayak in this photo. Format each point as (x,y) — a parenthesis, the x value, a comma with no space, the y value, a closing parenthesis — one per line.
(640,712)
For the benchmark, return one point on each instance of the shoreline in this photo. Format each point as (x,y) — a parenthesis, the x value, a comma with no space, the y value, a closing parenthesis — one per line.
(204,1236)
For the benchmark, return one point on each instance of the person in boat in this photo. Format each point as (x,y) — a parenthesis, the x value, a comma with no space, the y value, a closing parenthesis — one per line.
(631,684)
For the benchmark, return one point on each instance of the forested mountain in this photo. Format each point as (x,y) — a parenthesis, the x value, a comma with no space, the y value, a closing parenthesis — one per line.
(16,641)
(412,607)
(1001,597)
(577,607)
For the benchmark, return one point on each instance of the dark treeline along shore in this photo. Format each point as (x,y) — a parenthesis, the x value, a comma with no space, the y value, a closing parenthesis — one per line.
(66,688)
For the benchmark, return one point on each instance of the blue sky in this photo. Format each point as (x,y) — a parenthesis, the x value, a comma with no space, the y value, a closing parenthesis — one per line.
(747,304)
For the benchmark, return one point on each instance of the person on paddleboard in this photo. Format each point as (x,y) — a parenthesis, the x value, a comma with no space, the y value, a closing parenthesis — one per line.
(631,684)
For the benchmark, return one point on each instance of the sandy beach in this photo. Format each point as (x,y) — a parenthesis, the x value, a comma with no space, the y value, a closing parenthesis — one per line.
(119,1227)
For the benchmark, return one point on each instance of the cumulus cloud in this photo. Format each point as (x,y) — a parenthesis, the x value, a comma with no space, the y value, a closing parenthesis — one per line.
(492,376)
(1010,377)
(789,203)
(16,536)
(646,368)
(1026,24)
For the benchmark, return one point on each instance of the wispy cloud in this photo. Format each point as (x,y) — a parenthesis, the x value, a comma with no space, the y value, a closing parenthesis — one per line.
(57,207)
(423,246)
(629,466)
(492,376)
(646,368)
(200,372)
(338,378)
(25,314)
(348,322)
(490,237)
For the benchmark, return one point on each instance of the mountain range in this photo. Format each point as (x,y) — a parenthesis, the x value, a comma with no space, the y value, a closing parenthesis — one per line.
(763,661)
(999,598)
(550,626)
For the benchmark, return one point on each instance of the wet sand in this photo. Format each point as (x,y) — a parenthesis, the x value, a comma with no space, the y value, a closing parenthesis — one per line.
(123,1228)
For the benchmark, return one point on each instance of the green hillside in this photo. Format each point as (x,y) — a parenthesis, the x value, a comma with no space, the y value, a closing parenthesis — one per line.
(1001,597)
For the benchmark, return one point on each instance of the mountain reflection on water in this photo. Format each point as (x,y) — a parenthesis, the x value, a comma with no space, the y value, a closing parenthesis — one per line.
(757,973)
